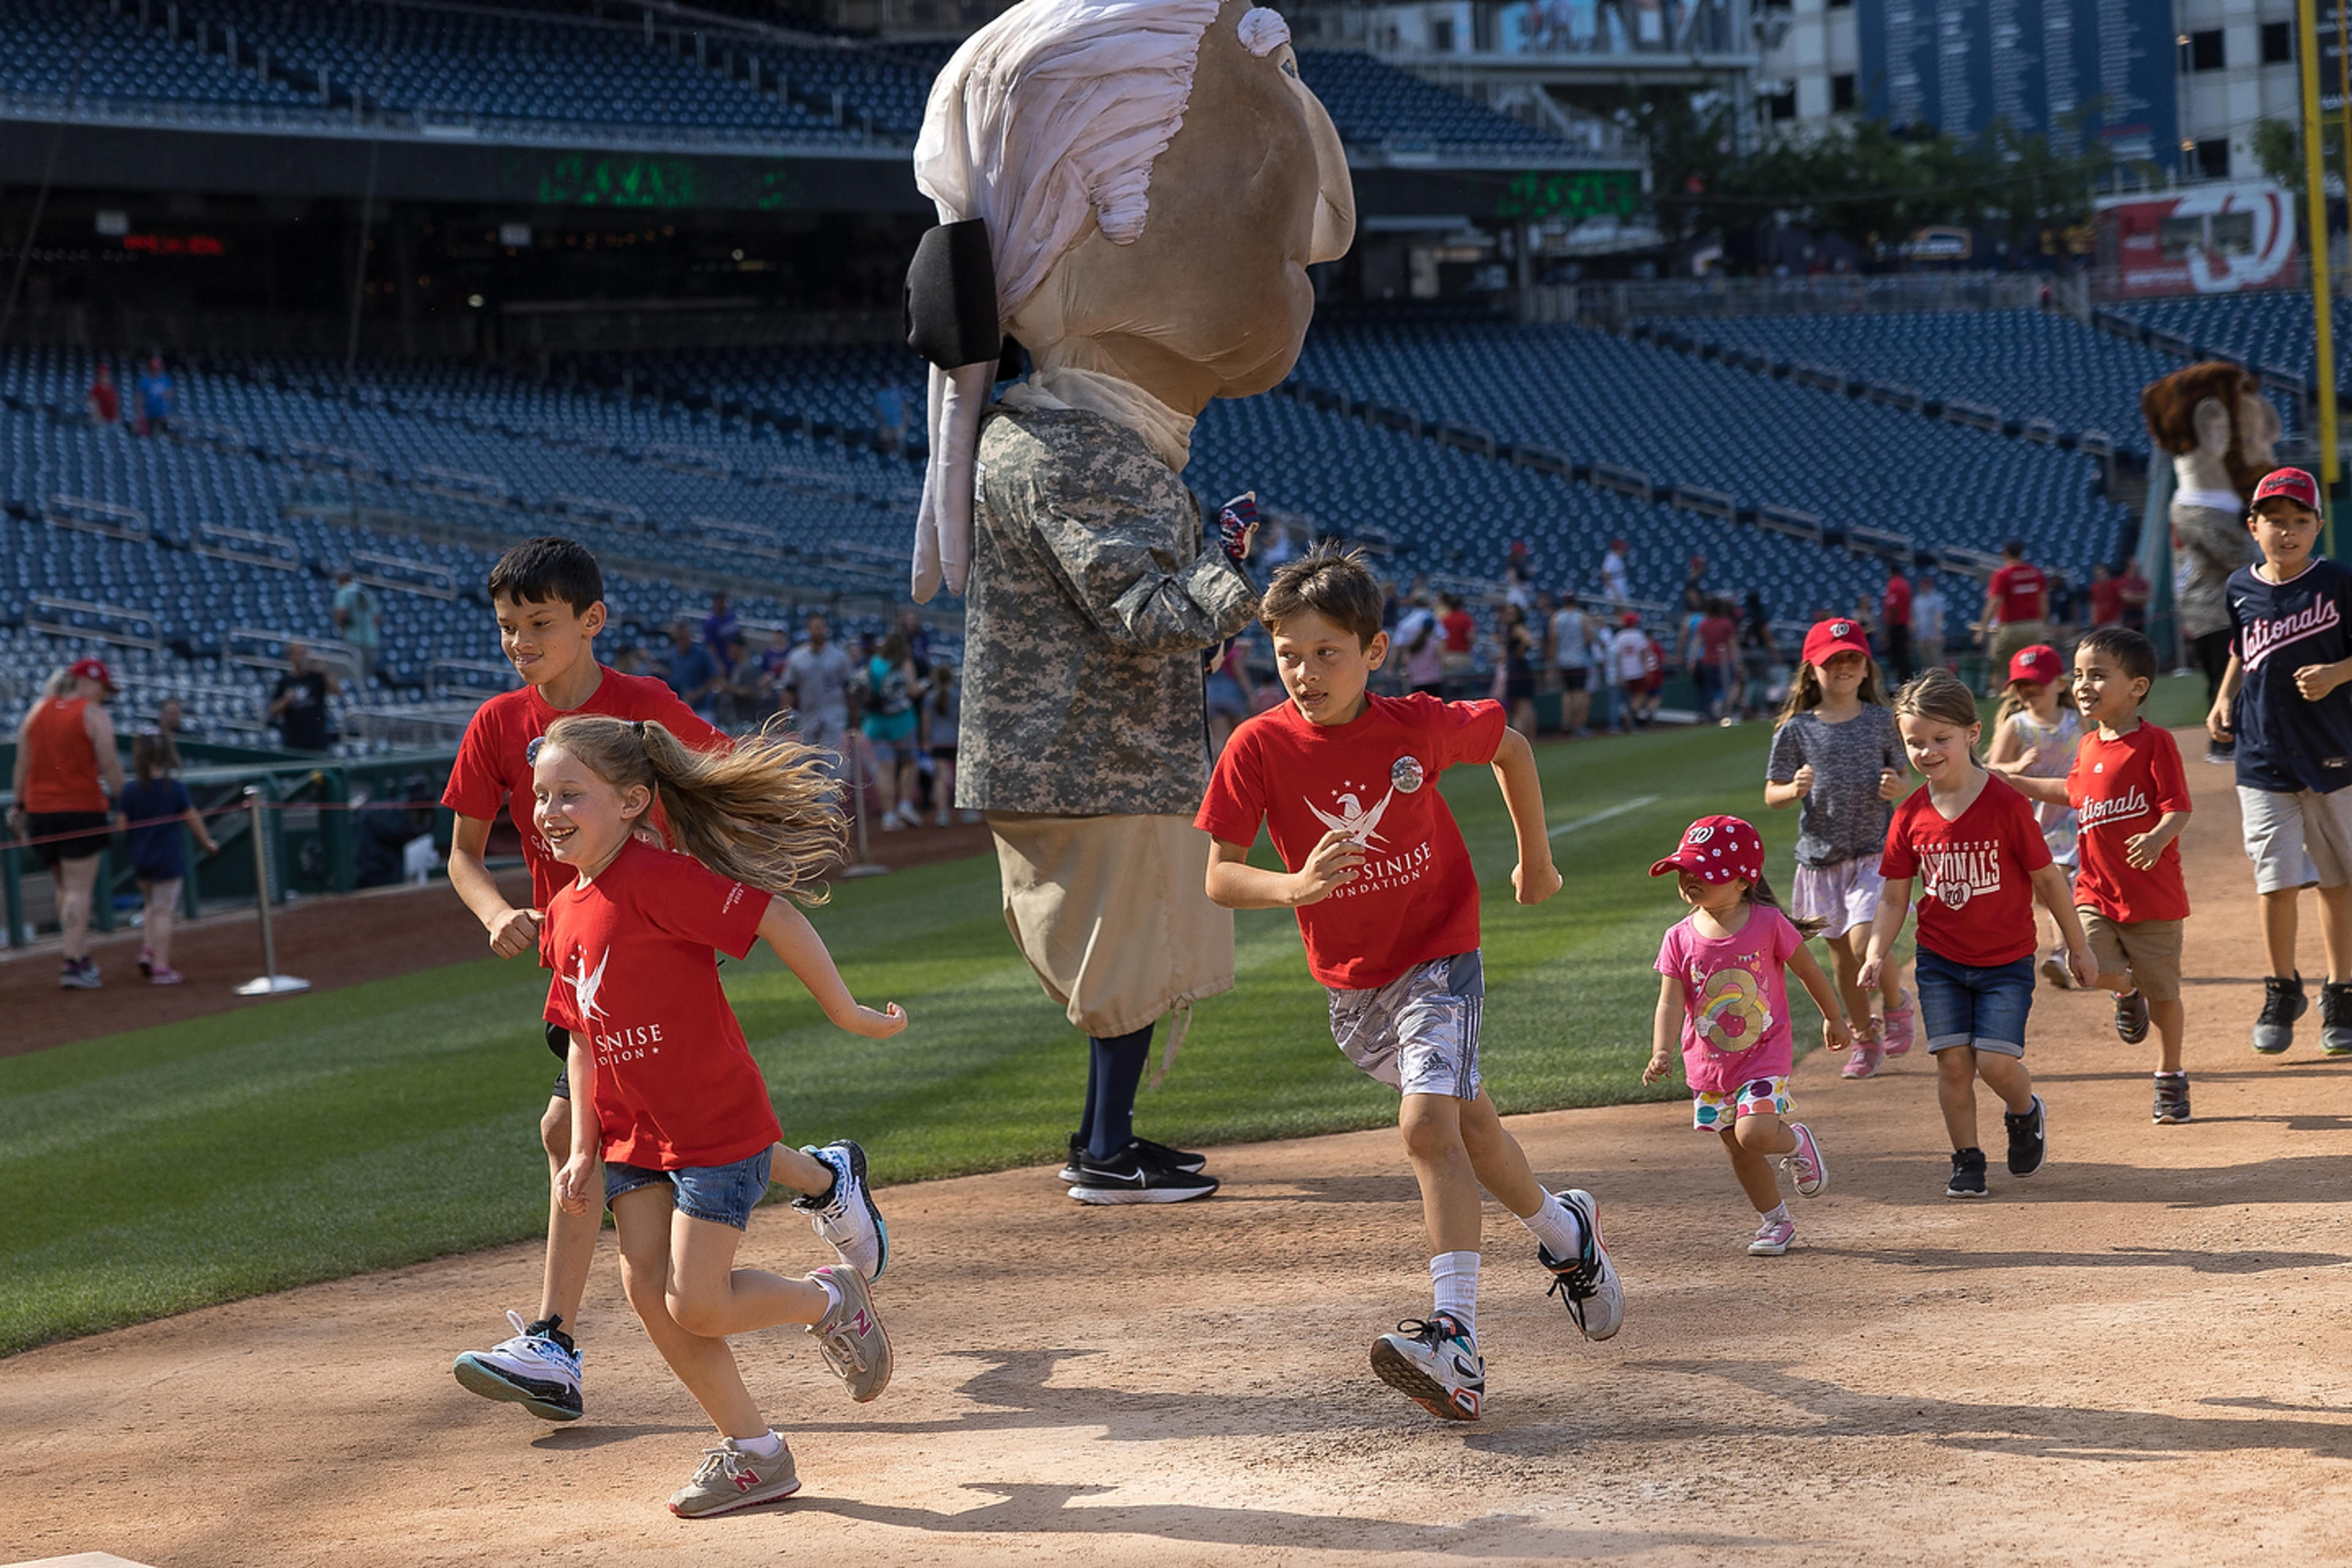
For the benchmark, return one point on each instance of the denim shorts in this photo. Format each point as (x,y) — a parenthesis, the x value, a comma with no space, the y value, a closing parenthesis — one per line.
(724,1195)
(1985,1008)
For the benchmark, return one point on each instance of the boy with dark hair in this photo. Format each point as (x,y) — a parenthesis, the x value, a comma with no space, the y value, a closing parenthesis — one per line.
(2131,799)
(2290,655)
(549,595)
(1388,904)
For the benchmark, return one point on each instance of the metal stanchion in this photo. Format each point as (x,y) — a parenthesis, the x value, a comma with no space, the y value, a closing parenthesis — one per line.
(270,982)
(866,866)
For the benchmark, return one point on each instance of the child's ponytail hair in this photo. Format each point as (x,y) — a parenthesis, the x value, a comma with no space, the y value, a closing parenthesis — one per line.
(1805,690)
(153,756)
(1941,695)
(1760,892)
(2011,702)
(767,813)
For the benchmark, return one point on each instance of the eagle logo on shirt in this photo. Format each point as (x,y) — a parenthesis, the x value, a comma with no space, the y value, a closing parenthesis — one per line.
(1353,820)
(587,987)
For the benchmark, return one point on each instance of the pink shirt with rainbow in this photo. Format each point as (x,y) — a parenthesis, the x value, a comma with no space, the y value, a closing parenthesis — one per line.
(1734,999)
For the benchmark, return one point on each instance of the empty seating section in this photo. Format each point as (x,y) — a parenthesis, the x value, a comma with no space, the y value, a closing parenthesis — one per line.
(2027,364)
(2270,331)
(1374,104)
(41,41)
(1598,397)
(834,383)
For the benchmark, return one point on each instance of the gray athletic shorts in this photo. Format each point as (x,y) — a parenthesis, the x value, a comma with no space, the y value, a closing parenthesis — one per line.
(2297,839)
(1419,1033)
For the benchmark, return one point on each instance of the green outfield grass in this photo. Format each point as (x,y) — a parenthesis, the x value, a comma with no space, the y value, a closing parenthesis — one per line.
(170,1168)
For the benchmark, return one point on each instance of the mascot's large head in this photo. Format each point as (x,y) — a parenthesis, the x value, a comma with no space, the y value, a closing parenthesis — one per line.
(1133,188)
(2214,420)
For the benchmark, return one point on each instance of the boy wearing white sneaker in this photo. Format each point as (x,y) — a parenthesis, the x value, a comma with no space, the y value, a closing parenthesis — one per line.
(1388,905)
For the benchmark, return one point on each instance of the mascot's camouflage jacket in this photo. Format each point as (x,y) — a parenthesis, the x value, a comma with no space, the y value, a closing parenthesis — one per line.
(1090,601)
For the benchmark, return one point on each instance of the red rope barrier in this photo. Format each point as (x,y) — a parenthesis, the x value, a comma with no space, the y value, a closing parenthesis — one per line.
(237,807)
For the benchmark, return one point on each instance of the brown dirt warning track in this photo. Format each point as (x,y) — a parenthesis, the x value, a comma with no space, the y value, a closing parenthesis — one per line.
(2136,1357)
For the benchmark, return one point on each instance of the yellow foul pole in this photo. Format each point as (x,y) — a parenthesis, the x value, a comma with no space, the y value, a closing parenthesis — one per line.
(2315,179)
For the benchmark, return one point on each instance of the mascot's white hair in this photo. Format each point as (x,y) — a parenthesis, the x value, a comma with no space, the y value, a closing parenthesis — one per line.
(1049,117)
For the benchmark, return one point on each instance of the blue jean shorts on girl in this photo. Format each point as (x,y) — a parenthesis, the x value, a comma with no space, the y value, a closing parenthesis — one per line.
(1986,1008)
(1711,1110)
(724,1195)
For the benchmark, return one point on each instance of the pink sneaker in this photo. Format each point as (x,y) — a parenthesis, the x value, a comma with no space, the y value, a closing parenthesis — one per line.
(1773,1239)
(164,974)
(1805,1163)
(1901,1024)
(1865,1061)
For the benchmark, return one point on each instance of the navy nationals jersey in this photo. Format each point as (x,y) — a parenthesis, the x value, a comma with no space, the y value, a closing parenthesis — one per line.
(2285,742)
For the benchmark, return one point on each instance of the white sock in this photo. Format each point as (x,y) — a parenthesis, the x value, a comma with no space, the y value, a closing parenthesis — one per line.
(766,1448)
(1455,1276)
(831,1292)
(1779,1216)
(1557,1227)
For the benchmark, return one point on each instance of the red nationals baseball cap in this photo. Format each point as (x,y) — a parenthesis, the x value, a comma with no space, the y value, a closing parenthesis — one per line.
(1715,849)
(2292,483)
(1830,638)
(93,670)
(2039,663)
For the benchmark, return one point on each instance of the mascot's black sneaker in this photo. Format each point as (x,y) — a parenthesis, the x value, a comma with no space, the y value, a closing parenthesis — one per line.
(1127,1178)
(1159,1154)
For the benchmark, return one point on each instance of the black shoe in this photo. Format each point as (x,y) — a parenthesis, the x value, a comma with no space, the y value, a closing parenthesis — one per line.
(2026,1146)
(1968,1174)
(2336,1018)
(2282,1002)
(2224,755)
(2171,1097)
(1152,1153)
(2131,1018)
(1127,1178)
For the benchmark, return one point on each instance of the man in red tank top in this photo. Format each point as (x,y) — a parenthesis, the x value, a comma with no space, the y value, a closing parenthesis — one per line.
(67,772)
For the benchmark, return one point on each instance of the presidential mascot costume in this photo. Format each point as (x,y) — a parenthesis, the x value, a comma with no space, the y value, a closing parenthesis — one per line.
(1131,191)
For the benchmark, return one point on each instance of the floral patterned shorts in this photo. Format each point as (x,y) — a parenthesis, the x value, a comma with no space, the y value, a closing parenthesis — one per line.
(1711,1110)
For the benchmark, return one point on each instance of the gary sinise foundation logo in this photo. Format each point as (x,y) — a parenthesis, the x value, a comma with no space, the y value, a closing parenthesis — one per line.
(1384,866)
(2262,638)
(1955,873)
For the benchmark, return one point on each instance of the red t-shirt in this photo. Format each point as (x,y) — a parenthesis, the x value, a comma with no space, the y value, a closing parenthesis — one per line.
(2019,587)
(493,759)
(1416,896)
(2108,603)
(1895,604)
(2118,789)
(1459,629)
(675,1084)
(1976,904)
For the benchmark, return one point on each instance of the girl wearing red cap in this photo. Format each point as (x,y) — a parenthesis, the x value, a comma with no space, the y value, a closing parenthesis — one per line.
(1725,992)
(1835,748)
(2034,735)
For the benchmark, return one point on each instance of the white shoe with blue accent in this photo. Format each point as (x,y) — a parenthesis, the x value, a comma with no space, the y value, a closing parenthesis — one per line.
(846,1218)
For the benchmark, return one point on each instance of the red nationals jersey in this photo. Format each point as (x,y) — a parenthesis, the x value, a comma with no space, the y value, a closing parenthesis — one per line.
(1976,900)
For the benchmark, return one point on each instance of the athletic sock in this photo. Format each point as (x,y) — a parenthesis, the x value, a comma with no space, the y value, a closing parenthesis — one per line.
(831,1292)
(1559,1228)
(1779,1216)
(766,1448)
(1116,1073)
(1454,1276)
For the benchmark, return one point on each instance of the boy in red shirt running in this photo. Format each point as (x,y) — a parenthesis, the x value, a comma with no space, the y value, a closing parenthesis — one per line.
(549,594)
(2131,798)
(1388,904)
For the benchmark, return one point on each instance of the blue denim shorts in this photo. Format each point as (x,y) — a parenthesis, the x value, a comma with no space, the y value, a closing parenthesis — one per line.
(1985,1008)
(724,1195)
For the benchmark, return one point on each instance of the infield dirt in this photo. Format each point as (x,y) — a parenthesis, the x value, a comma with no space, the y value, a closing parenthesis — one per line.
(2136,1357)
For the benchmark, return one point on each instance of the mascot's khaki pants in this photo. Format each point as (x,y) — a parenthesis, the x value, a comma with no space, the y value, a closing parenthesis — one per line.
(1113,914)
(2008,639)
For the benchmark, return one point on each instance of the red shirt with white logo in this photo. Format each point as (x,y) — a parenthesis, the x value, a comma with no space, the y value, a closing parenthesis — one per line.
(1976,902)
(2118,789)
(1415,897)
(2019,587)
(493,760)
(675,1084)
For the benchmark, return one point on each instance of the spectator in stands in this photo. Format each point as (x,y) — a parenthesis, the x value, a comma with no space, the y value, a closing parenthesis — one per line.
(718,629)
(692,672)
(105,402)
(66,771)
(890,418)
(1613,576)
(359,622)
(158,398)
(2016,613)
(817,675)
(1927,613)
(2106,596)
(2132,586)
(1895,604)
(298,703)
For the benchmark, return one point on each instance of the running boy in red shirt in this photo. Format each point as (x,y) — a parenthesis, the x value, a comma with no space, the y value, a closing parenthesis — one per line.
(549,594)
(1388,904)
(2131,797)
